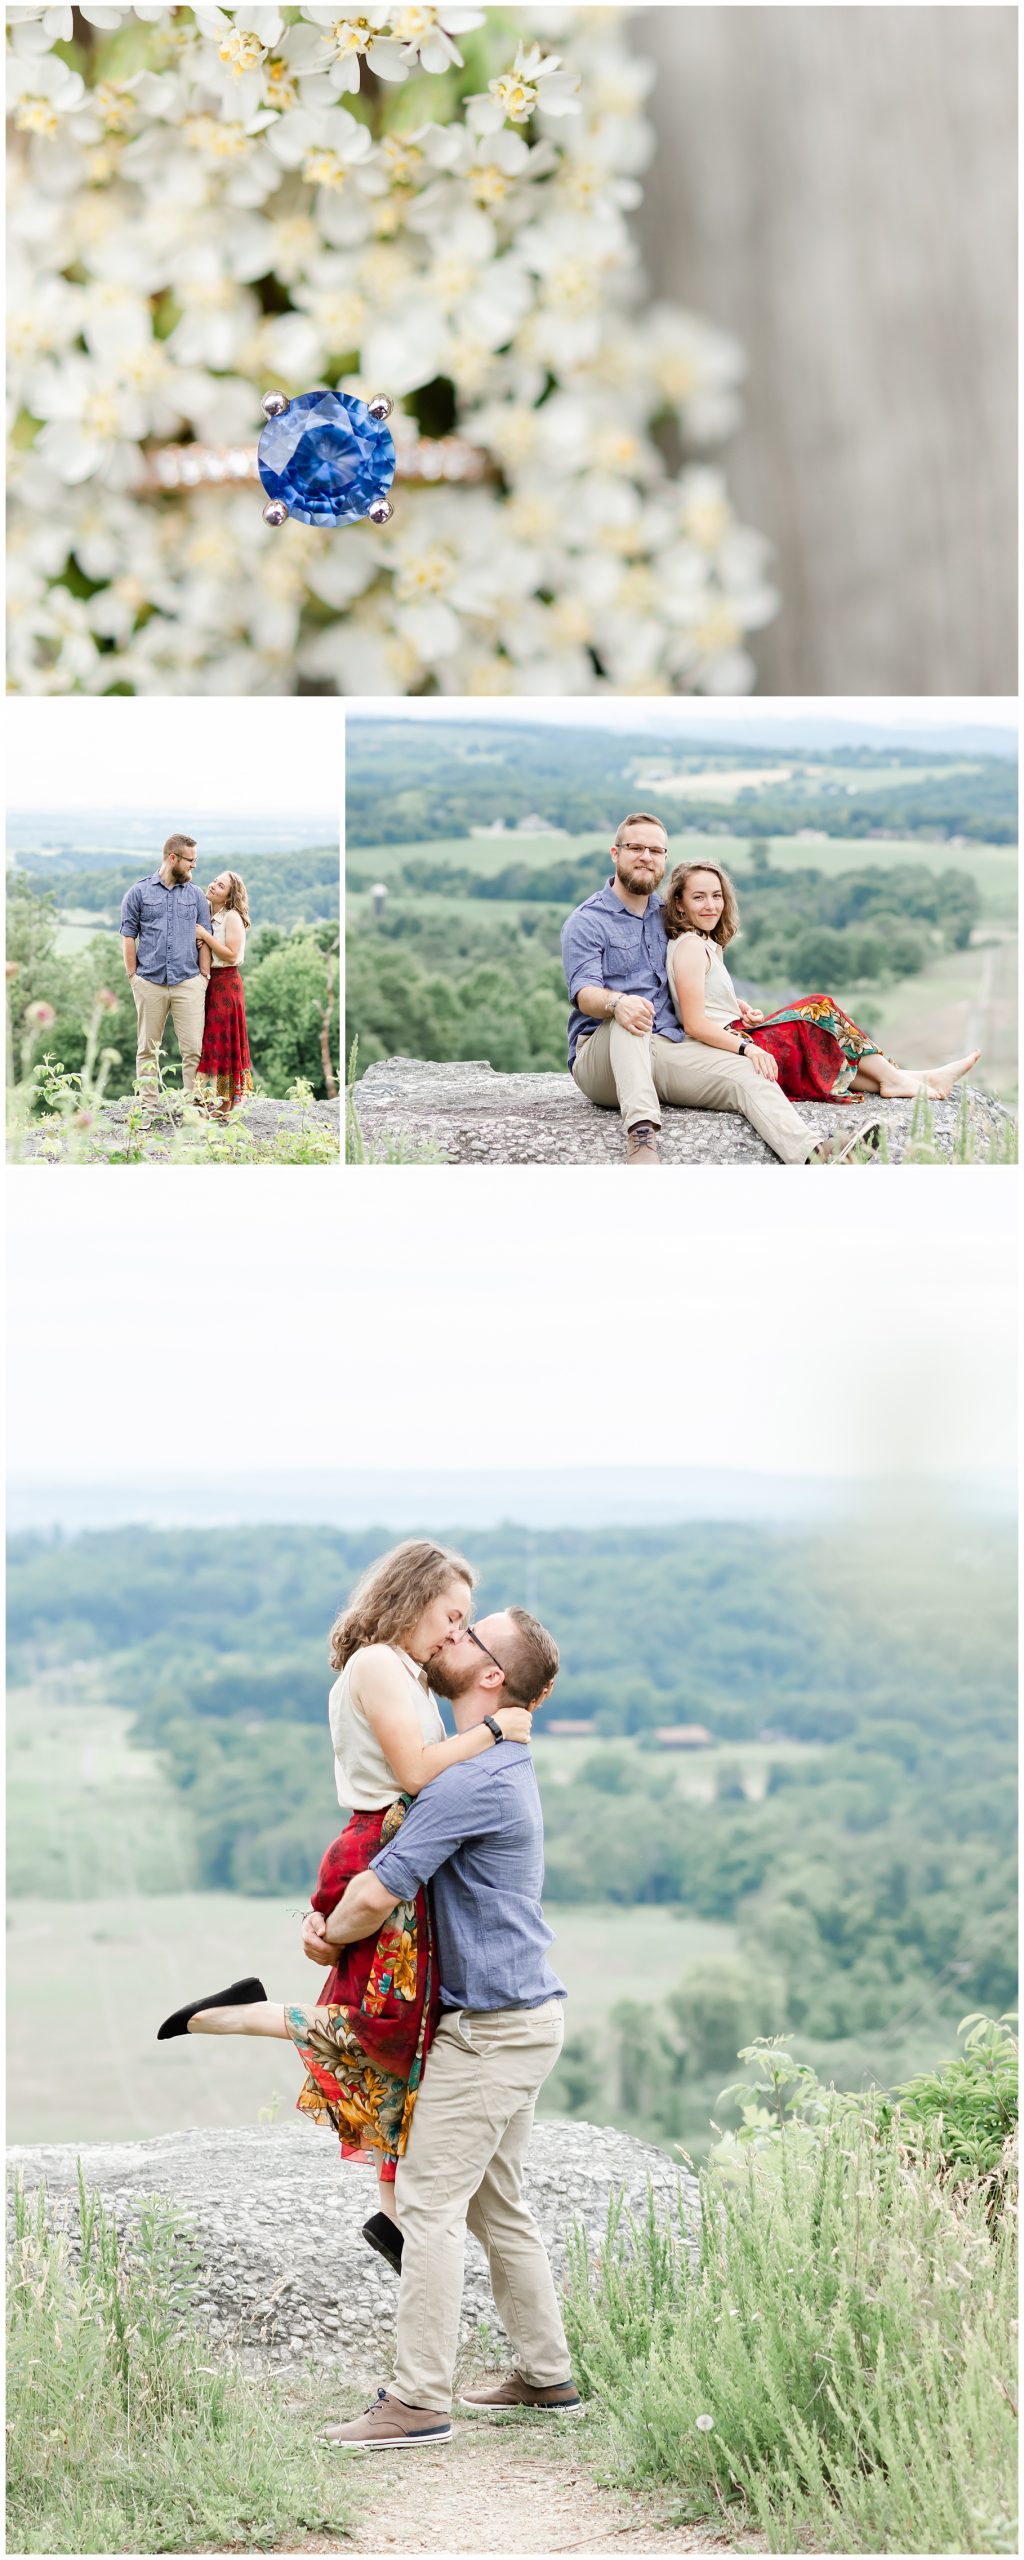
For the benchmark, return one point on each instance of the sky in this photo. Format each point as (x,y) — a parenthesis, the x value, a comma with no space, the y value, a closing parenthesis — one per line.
(702,716)
(284,756)
(318,1318)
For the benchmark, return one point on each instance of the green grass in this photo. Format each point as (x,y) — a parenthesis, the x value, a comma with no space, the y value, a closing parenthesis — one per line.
(121,2436)
(87,1812)
(696,1774)
(137,1955)
(839,2370)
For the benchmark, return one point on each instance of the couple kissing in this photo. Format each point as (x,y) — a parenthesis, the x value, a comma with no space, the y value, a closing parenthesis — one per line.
(655,1016)
(440,2017)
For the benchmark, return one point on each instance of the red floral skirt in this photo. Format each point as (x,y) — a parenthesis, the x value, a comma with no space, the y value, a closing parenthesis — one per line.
(365,2041)
(817,1048)
(225,1067)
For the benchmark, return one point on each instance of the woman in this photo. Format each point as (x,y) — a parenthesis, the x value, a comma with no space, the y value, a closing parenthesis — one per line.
(224,1073)
(364,2040)
(811,1047)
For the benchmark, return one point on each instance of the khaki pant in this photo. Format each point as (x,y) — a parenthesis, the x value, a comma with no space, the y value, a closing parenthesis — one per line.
(464,2166)
(186,1005)
(639,1071)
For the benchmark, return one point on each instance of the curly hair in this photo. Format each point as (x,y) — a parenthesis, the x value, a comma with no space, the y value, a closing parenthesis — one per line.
(393,1593)
(676,919)
(237,900)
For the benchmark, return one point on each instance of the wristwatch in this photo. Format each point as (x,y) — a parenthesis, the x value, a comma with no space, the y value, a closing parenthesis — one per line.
(494,1727)
(742,1050)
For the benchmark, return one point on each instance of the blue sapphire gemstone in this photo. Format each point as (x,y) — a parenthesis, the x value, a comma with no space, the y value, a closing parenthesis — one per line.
(326,458)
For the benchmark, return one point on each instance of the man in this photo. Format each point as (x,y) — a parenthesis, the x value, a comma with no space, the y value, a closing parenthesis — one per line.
(166,970)
(627,1046)
(477,1832)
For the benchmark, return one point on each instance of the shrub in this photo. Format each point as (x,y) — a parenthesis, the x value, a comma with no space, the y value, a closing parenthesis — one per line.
(834,2359)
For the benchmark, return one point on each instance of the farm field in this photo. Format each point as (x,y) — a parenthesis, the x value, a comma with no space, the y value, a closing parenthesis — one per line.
(108,1970)
(993,866)
(87,1811)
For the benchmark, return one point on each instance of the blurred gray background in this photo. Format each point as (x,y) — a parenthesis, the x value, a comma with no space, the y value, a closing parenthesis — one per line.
(838,186)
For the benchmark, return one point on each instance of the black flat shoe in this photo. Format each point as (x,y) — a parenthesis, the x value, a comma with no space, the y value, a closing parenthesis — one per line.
(237,1996)
(385,2236)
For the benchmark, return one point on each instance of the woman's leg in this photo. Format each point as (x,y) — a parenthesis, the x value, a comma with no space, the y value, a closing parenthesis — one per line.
(256,2018)
(386,2196)
(877,1074)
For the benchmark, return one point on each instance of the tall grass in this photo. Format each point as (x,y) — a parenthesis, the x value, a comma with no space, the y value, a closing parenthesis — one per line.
(837,2365)
(121,2434)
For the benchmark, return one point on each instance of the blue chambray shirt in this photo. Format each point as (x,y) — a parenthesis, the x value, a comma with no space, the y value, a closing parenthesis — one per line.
(478,1831)
(162,923)
(604,945)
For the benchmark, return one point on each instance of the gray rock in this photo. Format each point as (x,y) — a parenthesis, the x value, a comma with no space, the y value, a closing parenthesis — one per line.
(468,1113)
(283,2271)
(264,1121)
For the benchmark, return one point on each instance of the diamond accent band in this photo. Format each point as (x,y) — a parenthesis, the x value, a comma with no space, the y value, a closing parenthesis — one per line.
(423,461)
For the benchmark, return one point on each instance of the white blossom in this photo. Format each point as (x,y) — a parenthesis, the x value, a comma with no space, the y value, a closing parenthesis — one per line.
(232,203)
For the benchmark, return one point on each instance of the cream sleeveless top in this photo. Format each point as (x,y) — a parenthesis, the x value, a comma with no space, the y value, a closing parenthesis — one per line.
(364,1779)
(228,964)
(720,1000)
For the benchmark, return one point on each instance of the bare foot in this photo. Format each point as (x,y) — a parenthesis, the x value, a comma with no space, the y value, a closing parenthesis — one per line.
(940,1081)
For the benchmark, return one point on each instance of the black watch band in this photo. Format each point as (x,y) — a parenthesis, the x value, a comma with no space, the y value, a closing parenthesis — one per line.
(494,1727)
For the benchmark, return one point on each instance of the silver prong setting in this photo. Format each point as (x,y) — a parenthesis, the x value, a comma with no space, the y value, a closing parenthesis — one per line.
(275,512)
(381,511)
(274,404)
(380,407)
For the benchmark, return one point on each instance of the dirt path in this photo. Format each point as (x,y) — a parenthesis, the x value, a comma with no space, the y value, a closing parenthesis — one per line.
(503,2488)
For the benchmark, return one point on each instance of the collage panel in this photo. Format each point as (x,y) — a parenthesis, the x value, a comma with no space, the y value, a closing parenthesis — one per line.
(763,1618)
(173,934)
(682,935)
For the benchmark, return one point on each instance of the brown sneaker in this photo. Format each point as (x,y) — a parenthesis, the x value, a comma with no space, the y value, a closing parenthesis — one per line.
(552,2399)
(829,1151)
(642,1143)
(390,2426)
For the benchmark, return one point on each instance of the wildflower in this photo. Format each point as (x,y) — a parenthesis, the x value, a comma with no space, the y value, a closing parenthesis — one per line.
(40,1015)
(705,2425)
(105,1001)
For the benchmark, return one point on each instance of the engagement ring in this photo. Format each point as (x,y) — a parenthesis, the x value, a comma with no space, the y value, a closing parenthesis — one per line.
(325,458)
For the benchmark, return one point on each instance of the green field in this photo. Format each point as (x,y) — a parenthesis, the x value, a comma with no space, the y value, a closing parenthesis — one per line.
(88,1982)
(695,1774)
(993,866)
(100,1907)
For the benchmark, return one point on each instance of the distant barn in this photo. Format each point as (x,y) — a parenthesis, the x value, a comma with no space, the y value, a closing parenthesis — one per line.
(568,1726)
(683,1737)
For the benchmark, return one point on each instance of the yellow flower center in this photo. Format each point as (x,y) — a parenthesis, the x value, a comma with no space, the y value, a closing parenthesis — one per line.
(426,575)
(280,85)
(401,159)
(488,185)
(222,141)
(35,115)
(323,169)
(517,97)
(115,104)
(100,414)
(351,35)
(241,49)
(409,24)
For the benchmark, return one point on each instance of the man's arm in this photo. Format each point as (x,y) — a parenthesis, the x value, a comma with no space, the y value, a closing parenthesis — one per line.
(131,917)
(583,960)
(363,1908)
(204,918)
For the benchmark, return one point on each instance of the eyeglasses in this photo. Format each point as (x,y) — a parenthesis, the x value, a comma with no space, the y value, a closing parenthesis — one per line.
(484,1648)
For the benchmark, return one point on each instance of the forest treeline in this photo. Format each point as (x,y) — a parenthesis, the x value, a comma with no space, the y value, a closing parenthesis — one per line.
(407,783)
(285,889)
(875,1873)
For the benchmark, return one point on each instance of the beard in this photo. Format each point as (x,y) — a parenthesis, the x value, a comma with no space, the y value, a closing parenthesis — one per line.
(633,880)
(450,1679)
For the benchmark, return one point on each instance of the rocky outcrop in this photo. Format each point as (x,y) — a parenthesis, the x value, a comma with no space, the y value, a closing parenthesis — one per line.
(114,1134)
(467,1113)
(276,2216)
